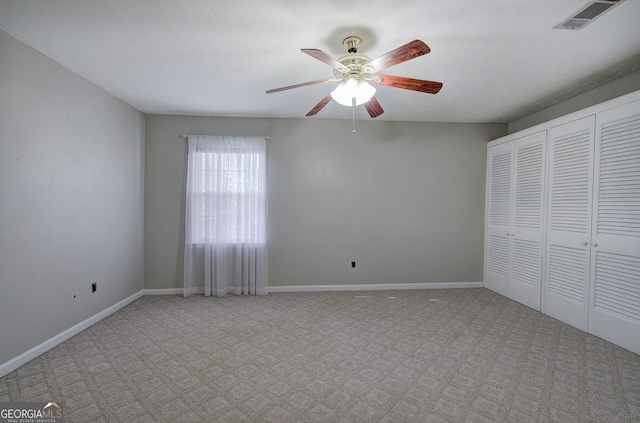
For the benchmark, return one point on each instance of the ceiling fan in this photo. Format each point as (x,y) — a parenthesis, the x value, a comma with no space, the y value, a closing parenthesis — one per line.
(355,71)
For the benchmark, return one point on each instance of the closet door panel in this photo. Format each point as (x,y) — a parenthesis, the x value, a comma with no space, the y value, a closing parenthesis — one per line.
(528,218)
(498,236)
(615,281)
(567,252)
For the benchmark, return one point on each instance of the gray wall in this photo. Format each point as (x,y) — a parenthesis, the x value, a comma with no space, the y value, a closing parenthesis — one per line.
(405,200)
(71,199)
(611,90)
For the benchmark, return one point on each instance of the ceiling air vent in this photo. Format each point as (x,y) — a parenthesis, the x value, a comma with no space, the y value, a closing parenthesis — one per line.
(588,13)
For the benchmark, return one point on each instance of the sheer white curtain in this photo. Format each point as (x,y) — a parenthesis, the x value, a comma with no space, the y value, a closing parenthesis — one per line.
(225,223)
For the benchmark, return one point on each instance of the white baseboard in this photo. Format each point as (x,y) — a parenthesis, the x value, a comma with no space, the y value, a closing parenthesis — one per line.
(375,287)
(195,291)
(168,291)
(34,352)
(320,288)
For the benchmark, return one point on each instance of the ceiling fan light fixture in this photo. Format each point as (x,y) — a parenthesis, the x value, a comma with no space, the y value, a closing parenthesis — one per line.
(354,70)
(344,93)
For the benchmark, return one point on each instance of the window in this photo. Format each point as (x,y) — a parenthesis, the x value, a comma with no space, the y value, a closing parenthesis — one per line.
(226,190)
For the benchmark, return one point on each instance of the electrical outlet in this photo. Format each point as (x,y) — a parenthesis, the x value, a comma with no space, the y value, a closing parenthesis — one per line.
(94,286)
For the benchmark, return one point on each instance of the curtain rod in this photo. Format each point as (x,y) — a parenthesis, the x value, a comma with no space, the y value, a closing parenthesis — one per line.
(185,136)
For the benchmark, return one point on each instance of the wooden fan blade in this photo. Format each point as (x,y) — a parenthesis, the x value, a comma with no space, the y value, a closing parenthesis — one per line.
(323,57)
(415,48)
(430,87)
(320,105)
(304,84)
(373,107)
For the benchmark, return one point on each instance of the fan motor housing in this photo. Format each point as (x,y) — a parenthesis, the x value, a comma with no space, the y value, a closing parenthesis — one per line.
(355,64)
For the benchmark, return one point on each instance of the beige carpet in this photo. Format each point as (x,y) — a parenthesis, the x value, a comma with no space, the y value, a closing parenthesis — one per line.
(459,355)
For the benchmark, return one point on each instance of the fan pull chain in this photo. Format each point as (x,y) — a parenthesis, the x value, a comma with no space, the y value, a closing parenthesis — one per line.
(353,115)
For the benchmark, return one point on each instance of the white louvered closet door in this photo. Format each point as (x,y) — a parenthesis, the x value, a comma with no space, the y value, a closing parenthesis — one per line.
(615,257)
(498,239)
(569,195)
(527,218)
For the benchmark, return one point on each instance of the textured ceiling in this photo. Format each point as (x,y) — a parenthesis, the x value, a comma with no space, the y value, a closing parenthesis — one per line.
(498,60)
